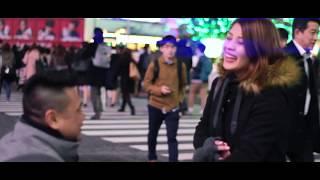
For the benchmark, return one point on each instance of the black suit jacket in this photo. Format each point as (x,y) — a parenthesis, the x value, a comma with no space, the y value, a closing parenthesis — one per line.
(303,130)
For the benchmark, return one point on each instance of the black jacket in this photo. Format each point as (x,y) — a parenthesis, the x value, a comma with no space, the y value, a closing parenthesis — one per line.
(126,83)
(97,75)
(261,127)
(301,129)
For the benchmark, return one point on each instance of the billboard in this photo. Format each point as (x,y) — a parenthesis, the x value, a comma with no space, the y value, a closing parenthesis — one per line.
(65,31)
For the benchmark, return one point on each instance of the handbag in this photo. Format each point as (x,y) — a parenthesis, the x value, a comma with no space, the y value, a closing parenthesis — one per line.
(133,72)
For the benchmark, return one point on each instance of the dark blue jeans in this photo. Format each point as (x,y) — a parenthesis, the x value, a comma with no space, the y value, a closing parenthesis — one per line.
(172,122)
(7,87)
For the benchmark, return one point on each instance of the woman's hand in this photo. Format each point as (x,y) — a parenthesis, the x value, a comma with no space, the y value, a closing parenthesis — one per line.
(223,149)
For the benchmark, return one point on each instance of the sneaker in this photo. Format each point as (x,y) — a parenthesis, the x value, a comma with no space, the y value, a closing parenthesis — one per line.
(133,112)
(96,116)
(120,110)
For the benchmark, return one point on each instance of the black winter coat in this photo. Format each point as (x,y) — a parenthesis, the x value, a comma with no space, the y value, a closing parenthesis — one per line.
(261,129)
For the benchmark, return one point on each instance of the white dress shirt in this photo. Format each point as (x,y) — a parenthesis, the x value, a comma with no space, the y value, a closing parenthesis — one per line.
(306,68)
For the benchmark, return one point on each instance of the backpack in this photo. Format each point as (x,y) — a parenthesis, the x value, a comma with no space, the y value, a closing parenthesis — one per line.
(102,56)
(80,62)
(182,105)
(156,71)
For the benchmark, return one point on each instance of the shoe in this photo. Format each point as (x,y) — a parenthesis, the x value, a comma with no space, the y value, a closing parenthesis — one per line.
(121,110)
(96,116)
(85,105)
(133,111)
(112,105)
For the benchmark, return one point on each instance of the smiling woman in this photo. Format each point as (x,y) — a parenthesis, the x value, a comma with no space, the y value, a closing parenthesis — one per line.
(246,115)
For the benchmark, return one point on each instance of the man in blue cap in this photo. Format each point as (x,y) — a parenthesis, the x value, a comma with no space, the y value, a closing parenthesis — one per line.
(165,80)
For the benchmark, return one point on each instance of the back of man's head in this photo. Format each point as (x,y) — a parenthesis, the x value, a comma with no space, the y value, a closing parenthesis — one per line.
(45,91)
(284,34)
(301,24)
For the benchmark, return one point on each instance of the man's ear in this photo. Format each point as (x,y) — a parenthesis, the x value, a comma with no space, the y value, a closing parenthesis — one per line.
(296,31)
(51,119)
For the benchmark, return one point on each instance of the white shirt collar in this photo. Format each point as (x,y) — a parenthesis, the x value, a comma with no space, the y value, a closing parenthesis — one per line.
(300,49)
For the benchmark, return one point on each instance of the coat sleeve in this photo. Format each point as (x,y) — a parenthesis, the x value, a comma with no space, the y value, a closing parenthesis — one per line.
(205,70)
(184,82)
(148,86)
(202,130)
(267,123)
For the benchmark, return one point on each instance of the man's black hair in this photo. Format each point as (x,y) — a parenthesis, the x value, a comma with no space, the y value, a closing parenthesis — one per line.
(2,21)
(50,23)
(45,91)
(75,22)
(302,23)
(284,34)
(146,47)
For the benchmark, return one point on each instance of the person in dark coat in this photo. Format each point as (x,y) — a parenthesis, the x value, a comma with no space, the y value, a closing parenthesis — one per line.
(246,116)
(126,83)
(304,135)
(143,65)
(114,74)
(7,71)
(98,74)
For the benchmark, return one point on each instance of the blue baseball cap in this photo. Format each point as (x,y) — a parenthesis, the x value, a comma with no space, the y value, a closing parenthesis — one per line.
(167,39)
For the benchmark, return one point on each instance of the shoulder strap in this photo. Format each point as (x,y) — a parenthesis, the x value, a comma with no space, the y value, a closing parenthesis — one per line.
(216,88)
(221,86)
(179,66)
(235,114)
(156,70)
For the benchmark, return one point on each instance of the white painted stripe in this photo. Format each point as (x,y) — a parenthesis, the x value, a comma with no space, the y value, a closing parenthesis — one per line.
(128,121)
(144,139)
(118,121)
(163,147)
(14,114)
(132,126)
(182,156)
(141,115)
(131,132)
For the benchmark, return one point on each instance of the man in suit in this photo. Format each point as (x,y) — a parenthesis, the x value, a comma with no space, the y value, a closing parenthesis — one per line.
(302,98)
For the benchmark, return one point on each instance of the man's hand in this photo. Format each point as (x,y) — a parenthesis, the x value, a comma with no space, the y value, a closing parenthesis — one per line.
(165,90)
(223,148)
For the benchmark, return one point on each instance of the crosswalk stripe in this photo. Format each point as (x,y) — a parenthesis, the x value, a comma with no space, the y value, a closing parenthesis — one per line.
(163,147)
(182,156)
(95,122)
(144,139)
(133,126)
(130,132)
